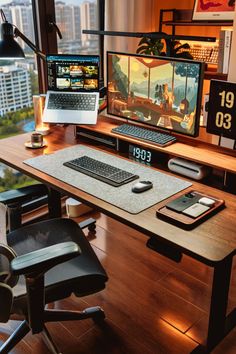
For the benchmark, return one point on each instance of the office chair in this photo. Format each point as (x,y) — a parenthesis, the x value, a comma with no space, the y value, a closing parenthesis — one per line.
(29,198)
(49,260)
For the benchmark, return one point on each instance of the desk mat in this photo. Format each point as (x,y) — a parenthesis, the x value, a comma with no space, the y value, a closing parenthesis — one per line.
(164,185)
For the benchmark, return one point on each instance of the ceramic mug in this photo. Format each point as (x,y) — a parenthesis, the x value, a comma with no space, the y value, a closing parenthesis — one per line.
(36,140)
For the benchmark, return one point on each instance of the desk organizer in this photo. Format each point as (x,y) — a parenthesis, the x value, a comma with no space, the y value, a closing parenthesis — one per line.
(184,221)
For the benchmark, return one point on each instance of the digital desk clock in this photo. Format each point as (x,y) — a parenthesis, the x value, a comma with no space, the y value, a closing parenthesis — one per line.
(140,154)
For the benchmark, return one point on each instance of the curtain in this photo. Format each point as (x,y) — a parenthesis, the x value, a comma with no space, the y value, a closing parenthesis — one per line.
(128,16)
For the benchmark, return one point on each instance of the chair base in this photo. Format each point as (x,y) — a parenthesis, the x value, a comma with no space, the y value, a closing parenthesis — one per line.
(15,338)
(90,223)
(95,313)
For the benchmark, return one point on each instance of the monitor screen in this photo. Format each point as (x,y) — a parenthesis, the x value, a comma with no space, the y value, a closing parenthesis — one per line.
(157,91)
(76,73)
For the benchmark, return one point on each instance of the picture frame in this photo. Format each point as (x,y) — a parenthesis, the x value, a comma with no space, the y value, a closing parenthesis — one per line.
(213,10)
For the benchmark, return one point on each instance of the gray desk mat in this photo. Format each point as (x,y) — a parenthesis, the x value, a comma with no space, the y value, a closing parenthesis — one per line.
(164,185)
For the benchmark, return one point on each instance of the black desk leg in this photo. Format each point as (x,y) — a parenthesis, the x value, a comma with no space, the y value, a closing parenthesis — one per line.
(54,203)
(218,306)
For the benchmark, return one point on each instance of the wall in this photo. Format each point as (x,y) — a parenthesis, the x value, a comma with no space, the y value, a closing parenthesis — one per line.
(232,71)
(143,16)
(190,30)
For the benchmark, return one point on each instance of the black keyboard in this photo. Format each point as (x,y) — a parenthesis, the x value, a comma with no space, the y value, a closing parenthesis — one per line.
(78,102)
(135,131)
(101,171)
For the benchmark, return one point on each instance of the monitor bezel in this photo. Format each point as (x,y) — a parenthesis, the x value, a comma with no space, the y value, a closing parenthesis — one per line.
(199,94)
(74,55)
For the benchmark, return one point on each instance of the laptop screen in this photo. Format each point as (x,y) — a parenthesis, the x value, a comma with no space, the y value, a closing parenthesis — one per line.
(73,73)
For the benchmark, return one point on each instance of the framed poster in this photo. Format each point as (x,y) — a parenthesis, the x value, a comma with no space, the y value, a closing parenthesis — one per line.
(213,10)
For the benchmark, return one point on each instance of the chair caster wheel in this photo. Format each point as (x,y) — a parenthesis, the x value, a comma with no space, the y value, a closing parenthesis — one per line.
(92,227)
(99,316)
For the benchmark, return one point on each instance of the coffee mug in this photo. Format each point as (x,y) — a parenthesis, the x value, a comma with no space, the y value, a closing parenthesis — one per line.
(36,140)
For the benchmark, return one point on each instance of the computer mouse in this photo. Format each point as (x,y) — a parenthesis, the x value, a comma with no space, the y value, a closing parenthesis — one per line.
(141,186)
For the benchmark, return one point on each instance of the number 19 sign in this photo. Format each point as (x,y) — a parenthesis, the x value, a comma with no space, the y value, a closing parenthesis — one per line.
(221,118)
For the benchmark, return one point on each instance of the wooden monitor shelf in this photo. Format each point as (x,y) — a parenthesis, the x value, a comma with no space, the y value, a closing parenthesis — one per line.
(188,148)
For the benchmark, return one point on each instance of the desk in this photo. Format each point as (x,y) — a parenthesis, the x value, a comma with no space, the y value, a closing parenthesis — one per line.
(212,243)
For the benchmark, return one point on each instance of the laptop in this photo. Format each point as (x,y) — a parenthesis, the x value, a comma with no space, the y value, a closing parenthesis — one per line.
(73,89)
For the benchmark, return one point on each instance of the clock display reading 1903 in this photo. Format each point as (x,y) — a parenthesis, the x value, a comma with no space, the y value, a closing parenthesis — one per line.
(140,154)
(221,118)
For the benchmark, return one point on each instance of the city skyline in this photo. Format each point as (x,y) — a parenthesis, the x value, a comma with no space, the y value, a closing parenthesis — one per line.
(68,2)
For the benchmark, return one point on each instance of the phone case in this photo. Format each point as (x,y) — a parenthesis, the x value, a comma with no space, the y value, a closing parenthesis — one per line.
(183,202)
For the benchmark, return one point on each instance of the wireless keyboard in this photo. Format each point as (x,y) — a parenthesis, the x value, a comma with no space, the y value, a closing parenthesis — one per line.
(135,131)
(101,171)
(207,54)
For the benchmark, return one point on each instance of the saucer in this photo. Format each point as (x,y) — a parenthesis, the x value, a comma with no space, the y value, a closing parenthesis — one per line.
(29,145)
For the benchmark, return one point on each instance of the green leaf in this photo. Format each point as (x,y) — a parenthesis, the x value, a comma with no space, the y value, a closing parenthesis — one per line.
(142,49)
(184,55)
(185,46)
(144,40)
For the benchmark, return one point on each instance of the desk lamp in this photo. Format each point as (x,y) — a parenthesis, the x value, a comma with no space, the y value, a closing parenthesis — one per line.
(9,48)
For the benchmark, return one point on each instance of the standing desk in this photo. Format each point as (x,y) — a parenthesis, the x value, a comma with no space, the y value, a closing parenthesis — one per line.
(212,243)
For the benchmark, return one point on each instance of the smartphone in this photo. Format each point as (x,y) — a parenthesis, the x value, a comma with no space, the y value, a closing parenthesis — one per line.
(183,202)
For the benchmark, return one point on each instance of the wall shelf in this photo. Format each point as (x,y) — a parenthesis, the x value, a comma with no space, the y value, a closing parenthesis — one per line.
(184,18)
(196,23)
(177,18)
(210,74)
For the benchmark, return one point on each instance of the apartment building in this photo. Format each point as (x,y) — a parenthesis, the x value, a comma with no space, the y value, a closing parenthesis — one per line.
(15,89)
(88,12)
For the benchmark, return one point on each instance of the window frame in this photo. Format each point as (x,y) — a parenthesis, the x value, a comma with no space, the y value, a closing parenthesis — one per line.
(46,37)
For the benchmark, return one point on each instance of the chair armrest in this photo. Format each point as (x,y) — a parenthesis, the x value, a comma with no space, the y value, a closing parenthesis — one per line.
(42,260)
(23,194)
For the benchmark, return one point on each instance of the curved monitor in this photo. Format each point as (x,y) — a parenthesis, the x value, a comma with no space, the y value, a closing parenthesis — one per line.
(158,91)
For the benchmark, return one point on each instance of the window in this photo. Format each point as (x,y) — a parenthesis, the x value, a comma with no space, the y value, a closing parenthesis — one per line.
(21,79)
(19,75)
(72,17)
(18,82)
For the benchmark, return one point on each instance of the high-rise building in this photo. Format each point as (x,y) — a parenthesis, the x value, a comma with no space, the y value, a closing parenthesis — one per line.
(22,18)
(15,89)
(68,20)
(7,12)
(88,14)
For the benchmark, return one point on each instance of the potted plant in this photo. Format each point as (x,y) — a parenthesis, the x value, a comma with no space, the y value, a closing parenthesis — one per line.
(155,46)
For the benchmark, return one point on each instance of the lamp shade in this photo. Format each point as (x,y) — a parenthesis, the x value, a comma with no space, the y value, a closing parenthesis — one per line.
(9,48)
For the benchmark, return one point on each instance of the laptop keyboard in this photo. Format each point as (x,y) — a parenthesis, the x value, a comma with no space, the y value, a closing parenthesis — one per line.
(101,171)
(78,102)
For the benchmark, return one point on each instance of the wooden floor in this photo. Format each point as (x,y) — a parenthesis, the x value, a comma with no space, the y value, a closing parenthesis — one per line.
(152,304)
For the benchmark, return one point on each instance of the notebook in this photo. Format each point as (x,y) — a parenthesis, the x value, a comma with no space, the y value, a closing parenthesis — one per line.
(73,89)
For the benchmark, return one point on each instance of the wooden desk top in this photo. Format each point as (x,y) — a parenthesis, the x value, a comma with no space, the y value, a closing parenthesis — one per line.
(210,242)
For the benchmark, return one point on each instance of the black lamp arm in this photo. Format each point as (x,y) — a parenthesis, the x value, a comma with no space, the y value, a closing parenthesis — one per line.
(18,33)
